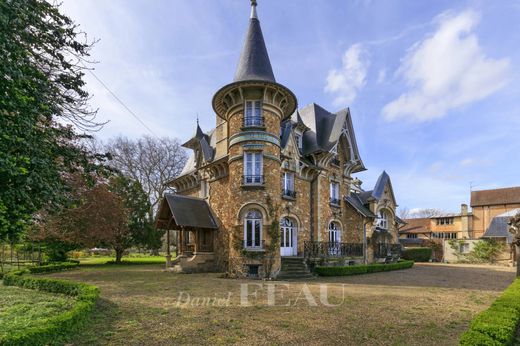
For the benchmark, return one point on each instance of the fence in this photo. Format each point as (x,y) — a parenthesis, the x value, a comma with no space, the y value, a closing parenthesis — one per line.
(19,256)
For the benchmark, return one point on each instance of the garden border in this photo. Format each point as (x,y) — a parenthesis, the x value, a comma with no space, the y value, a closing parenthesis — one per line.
(57,328)
(362,269)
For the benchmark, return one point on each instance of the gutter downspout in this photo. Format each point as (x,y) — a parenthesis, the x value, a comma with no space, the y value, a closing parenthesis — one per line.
(365,247)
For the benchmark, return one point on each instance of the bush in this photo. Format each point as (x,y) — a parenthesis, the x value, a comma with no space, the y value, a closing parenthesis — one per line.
(486,251)
(417,254)
(362,269)
(57,328)
(53,267)
(498,324)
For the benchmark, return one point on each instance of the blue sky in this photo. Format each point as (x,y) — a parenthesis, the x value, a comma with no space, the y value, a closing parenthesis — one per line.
(433,86)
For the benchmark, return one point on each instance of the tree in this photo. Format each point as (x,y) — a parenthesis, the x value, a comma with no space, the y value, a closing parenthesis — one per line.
(42,105)
(151,161)
(514,229)
(424,213)
(404,213)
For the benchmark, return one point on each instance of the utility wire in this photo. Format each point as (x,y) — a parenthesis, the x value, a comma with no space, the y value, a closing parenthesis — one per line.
(122,103)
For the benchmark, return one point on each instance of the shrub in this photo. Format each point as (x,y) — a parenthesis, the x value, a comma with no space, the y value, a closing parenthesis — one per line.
(57,328)
(417,254)
(486,251)
(53,267)
(362,269)
(498,324)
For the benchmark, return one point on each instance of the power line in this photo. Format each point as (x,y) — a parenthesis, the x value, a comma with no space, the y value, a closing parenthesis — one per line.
(122,103)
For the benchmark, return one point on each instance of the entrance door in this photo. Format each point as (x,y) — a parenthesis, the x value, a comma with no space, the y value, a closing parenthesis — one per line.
(289,244)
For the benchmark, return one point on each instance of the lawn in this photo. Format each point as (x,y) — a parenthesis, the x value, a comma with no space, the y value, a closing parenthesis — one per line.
(426,305)
(22,308)
(96,260)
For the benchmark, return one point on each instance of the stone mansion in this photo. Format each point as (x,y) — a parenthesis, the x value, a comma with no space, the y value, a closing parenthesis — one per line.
(273,183)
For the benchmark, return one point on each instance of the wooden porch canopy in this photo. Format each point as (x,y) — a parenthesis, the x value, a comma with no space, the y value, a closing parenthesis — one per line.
(182,213)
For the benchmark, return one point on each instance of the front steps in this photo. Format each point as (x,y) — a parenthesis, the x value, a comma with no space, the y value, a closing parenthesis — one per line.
(294,268)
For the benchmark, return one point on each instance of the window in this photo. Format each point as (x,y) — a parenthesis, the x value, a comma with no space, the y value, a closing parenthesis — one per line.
(334,232)
(411,236)
(253,229)
(253,113)
(288,184)
(334,193)
(383,219)
(464,248)
(299,140)
(444,235)
(253,168)
(445,221)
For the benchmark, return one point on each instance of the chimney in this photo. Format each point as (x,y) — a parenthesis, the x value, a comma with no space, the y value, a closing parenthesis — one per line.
(464,209)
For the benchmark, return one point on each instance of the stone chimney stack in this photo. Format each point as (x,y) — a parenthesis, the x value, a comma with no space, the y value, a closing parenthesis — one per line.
(464,209)
(465,221)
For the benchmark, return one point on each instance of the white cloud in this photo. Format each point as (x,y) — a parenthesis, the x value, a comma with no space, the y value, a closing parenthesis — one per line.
(346,81)
(467,162)
(446,70)
(381,76)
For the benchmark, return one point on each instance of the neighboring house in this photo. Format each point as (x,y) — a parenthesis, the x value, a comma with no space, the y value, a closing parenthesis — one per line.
(270,172)
(445,226)
(486,204)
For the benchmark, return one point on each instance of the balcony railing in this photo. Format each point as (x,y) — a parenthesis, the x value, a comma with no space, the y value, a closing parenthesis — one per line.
(383,250)
(258,247)
(334,201)
(288,193)
(320,249)
(252,180)
(254,122)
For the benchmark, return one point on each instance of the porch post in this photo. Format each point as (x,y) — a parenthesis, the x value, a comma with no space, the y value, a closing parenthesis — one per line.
(168,254)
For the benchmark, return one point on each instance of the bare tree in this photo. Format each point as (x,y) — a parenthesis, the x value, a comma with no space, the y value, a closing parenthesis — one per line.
(151,161)
(424,213)
(514,229)
(403,213)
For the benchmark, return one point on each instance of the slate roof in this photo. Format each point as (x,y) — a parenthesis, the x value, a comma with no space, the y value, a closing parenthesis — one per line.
(254,63)
(509,195)
(355,201)
(188,211)
(499,228)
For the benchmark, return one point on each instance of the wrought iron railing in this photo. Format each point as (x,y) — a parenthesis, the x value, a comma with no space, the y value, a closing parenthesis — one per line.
(261,246)
(288,193)
(321,249)
(253,121)
(253,180)
(334,200)
(383,250)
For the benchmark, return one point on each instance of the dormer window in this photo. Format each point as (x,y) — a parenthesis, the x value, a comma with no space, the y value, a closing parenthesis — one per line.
(253,114)
(299,140)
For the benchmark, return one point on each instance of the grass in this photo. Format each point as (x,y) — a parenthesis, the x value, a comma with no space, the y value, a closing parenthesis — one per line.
(99,260)
(22,308)
(425,305)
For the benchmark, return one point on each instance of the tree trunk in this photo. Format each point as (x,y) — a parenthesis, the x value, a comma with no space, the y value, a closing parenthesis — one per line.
(517,254)
(119,255)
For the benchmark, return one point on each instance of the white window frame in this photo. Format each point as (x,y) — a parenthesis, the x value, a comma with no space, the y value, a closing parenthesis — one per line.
(334,231)
(253,116)
(288,181)
(334,190)
(253,217)
(254,176)
(383,219)
(299,139)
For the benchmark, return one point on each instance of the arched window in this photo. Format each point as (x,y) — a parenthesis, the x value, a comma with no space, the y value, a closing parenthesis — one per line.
(334,232)
(383,219)
(253,229)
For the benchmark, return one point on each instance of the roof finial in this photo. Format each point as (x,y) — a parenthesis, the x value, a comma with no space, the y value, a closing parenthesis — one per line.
(253,9)
(197,118)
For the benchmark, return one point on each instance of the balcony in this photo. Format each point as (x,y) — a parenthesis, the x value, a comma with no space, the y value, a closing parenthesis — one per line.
(253,122)
(334,201)
(289,194)
(321,249)
(253,180)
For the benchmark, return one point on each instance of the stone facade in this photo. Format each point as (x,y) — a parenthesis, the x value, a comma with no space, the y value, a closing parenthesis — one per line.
(315,147)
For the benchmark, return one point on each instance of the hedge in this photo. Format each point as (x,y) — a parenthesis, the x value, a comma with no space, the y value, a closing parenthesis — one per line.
(498,324)
(57,328)
(417,254)
(56,267)
(362,269)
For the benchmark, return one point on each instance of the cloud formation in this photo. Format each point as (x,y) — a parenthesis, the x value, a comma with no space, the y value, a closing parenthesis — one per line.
(346,81)
(446,70)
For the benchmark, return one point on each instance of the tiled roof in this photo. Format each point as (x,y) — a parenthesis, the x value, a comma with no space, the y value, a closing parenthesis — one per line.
(189,211)
(510,195)
(418,226)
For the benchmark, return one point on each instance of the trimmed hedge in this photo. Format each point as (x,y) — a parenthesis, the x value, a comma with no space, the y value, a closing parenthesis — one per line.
(56,267)
(498,324)
(417,254)
(57,328)
(362,269)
